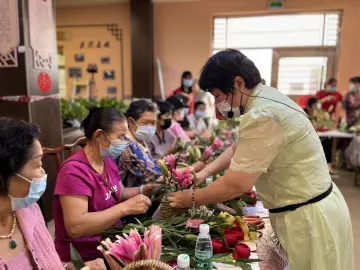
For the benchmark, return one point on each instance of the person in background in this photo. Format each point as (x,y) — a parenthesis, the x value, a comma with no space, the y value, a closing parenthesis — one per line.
(352,102)
(186,90)
(25,242)
(329,98)
(178,115)
(196,120)
(89,196)
(311,108)
(136,164)
(263,81)
(209,102)
(164,141)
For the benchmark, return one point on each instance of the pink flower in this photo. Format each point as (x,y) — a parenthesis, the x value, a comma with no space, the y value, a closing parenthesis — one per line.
(184,178)
(170,160)
(132,247)
(217,143)
(194,223)
(208,153)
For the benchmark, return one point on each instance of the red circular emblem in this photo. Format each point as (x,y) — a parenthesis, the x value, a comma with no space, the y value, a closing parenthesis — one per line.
(44,82)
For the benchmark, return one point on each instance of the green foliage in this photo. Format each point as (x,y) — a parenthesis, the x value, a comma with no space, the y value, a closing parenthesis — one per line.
(78,109)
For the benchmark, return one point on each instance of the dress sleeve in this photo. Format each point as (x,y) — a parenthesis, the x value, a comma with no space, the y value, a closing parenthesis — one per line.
(73,180)
(260,140)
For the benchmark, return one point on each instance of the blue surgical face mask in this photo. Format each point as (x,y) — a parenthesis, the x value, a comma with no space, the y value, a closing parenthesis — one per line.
(186,111)
(332,88)
(115,150)
(199,114)
(37,189)
(144,133)
(187,82)
(353,88)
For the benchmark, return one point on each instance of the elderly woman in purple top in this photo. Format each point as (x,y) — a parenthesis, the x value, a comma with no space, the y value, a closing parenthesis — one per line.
(89,196)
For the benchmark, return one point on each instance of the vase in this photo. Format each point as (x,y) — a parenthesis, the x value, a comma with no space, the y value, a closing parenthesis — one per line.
(167,211)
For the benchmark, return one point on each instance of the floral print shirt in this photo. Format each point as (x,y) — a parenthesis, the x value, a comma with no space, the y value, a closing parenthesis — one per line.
(137,166)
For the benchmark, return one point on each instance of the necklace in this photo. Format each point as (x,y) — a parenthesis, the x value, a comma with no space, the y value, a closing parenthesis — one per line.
(12,243)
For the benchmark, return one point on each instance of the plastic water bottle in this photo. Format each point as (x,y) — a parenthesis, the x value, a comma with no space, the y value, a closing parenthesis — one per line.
(183,262)
(203,249)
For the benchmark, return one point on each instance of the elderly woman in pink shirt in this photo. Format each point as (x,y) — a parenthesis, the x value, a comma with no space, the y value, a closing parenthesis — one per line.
(25,242)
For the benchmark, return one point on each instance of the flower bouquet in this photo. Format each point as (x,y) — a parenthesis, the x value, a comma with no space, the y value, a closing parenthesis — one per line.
(131,251)
(174,180)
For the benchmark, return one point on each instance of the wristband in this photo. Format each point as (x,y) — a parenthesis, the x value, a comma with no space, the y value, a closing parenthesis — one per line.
(193,197)
(66,265)
(141,189)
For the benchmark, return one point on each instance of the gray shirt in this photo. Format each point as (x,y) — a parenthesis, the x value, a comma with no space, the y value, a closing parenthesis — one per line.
(160,145)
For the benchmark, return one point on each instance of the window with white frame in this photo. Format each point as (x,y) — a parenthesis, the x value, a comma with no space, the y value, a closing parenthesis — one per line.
(258,36)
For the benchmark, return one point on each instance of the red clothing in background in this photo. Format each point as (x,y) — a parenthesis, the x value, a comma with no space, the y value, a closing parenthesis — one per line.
(190,96)
(330,105)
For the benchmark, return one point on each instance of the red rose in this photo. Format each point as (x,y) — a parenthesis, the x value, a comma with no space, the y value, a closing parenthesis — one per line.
(237,225)
(233,236)
(217,246)
(242,251)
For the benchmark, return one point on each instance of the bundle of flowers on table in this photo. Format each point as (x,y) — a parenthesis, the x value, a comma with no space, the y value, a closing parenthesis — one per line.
(322,121)
(229,236)
(200,149)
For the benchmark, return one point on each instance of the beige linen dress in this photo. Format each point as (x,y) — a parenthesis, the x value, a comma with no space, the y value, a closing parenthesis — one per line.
(281,143)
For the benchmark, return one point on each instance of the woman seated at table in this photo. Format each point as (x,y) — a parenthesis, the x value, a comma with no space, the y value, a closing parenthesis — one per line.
(178,116)
(352,102)
(136,164)
(196,120)
(89,196)
(312,107)
(164,141)
(25,242)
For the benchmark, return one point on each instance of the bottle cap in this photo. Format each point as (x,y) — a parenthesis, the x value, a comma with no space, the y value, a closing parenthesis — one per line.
(209,180)
(183,261)
(204,228)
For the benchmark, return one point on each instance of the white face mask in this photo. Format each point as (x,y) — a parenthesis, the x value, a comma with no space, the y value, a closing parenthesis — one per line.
(224,107)
(187,82)
(353,88)
(144,133)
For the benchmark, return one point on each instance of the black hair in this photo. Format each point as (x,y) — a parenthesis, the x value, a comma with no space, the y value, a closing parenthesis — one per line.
(100,118)
(311,101)
(222,68)
(16,148)
(176,101)
(198,104)
(355,79)
(138,107)
(164,108)
(183,76)
(331,81)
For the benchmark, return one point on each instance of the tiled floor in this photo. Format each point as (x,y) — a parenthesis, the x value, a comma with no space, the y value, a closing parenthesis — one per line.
(345,182)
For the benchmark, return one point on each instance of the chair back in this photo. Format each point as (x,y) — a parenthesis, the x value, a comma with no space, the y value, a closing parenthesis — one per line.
(56,153)
(71,148)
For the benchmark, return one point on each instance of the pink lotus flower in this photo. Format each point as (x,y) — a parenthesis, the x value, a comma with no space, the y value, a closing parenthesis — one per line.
(132,247)
(184,178)
(207,154)
(217,143)
(194,223)
(170,161)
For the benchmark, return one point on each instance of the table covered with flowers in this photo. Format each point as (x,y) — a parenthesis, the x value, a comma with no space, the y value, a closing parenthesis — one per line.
(240,229)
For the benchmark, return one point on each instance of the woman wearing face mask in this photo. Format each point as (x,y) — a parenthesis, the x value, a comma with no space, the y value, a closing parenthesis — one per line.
(196,120)
(164,141)
(136,164)
(89,196)
(329,98)
(186,90)
(25,242)
(352,102)
(280,153)
(178,115)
